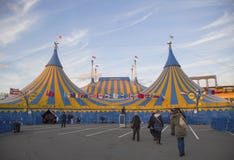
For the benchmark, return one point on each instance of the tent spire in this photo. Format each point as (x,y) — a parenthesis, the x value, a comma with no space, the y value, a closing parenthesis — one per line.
(54,61)
(171,60)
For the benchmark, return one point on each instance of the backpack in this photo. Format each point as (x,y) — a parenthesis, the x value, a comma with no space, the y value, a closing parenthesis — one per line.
(157,124)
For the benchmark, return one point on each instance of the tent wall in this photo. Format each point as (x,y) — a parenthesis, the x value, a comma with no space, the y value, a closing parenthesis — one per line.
(221,120)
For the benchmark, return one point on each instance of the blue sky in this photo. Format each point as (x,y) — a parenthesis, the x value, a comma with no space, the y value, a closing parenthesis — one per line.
(115,31)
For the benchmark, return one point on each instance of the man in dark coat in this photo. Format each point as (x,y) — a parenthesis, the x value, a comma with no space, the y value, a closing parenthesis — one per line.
(158,126)
(136,121)
(64,118)
(151,125)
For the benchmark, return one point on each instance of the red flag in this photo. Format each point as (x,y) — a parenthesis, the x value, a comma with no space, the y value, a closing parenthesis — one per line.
(72,95)
(155,96)
(148,96)
(14,91)
(92,96)
(50,93)
(140,95)
(94,57)
(213,92)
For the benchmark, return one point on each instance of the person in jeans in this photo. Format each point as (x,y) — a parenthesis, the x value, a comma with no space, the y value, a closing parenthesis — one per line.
(180,131)
(136,121)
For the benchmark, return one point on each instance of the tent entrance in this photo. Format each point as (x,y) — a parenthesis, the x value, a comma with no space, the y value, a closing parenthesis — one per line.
(49,117)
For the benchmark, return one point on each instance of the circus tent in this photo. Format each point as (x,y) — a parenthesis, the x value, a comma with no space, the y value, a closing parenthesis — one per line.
(114,87)
(173,88)
(51,89)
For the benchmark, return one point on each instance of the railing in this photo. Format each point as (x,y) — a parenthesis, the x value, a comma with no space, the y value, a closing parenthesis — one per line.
(223,124)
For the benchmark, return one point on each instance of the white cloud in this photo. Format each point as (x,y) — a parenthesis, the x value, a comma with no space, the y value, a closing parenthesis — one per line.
(226,18)
(39,48)
(133,13)
(225,32)
(130,23)
(22,6)
(209,61)
(18,22)
(130,19)
(206,39)
(76,38)
(10,31)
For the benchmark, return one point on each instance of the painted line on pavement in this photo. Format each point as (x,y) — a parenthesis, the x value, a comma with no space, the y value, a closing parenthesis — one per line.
(96,133)
(164,129)
(124,134)
(80,130)
(46,131)
(76,131)
(230,133)
(193,132)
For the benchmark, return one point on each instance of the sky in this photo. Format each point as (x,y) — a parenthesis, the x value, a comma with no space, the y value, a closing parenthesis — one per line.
(115,31)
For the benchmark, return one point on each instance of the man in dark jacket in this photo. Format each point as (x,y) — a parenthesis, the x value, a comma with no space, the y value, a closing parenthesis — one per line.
(158,126)
(64,118)
(136,121)
(151,125)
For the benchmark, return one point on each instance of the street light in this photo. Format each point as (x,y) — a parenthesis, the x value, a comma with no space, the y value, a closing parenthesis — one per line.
(196,96)
(28,97)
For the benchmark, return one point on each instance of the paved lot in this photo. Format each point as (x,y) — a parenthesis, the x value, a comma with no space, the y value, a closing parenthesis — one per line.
(109,142)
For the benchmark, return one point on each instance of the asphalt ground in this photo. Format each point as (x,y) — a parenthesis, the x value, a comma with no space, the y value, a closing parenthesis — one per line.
(109,142)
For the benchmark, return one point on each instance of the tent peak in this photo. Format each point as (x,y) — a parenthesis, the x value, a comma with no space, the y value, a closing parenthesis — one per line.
(54,61)
(171,60)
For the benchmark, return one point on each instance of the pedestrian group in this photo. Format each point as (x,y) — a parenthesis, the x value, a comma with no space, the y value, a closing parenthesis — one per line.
(155,125)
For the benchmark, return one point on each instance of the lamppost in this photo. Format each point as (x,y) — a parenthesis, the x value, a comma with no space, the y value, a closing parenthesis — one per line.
(197,97)
(28,97)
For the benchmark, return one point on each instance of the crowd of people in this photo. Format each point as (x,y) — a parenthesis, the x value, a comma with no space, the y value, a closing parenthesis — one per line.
(155,125)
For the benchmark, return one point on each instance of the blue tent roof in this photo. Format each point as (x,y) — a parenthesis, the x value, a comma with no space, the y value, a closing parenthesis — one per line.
(54,61)
(171,60)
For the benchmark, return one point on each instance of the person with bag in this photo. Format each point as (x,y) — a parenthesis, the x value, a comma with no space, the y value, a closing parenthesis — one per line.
(178,120)
(158,126)
(135,125)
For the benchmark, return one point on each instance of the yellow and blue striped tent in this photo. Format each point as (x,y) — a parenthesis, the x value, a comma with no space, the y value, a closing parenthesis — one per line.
(114,87)
(51,89)
(173,88)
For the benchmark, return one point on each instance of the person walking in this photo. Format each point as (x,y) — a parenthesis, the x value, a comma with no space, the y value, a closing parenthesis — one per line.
(178,120)
(136,124)
(151,125)
(64,118)
(158,126)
